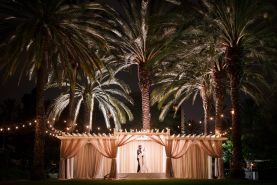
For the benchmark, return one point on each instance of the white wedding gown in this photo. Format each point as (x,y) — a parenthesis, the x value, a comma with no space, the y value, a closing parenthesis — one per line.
(143,166)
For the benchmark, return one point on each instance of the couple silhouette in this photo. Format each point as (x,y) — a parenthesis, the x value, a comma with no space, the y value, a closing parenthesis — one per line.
(142,168)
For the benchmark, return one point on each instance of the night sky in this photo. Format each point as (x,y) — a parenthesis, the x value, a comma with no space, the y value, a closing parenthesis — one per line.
(11,88)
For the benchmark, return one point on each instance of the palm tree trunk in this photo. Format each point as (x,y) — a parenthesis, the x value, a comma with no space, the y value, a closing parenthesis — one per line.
(71,106)
(236,159)
(218,97)
(234,71)
(40,127)
(182,119)
(204,97)
(88,112)
(144,85)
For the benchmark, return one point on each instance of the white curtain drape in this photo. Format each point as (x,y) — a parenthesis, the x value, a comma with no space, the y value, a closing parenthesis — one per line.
(107,146)
(69,148)
(192,165)
(154,157)
(174,148)
(87,162)
(214,149)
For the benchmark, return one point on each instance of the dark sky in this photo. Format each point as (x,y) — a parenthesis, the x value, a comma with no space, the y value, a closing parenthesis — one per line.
(11,88)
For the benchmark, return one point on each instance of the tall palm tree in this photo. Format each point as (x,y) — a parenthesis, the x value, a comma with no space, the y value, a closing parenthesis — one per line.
(180,82)
(143,37)
(32,32)
(105,89)
(243,28)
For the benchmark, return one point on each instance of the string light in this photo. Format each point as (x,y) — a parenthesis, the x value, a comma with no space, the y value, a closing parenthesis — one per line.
(18,127)
(14,127)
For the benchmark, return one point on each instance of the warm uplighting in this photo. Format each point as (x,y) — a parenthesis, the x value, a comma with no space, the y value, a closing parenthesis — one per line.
(265,15)
(232,112)
(217,133)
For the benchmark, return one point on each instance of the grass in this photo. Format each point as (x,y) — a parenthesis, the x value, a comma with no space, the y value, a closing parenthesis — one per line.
(139,182)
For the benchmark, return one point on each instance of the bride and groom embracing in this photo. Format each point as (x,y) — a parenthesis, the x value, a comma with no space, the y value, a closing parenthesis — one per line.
(142,168)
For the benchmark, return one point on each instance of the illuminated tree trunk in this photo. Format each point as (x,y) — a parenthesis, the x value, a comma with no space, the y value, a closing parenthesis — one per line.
(37,172)
(72,103)
(203,94)
(218,98)
(88,112)
(144,85)
(235,70)
(182,120)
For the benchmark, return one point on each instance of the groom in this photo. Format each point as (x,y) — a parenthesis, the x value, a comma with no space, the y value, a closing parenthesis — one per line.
(138,152)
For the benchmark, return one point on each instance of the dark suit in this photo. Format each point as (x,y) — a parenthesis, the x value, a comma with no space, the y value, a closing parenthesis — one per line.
(138,152)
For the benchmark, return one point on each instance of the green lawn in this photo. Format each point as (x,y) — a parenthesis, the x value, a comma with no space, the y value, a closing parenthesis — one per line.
(142,182)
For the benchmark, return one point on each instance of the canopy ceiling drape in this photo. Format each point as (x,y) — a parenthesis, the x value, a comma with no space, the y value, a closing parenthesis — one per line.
(107,145)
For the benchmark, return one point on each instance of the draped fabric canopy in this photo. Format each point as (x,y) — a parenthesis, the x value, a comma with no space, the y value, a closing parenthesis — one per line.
(107,145)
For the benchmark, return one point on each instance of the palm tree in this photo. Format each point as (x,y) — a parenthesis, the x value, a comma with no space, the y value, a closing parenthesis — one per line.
(32,32)
(143,36)
(105,89)
(180,82)
(244,32)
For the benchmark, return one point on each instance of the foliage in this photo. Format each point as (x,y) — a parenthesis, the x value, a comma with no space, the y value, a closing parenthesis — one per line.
(104,89)
(227,150)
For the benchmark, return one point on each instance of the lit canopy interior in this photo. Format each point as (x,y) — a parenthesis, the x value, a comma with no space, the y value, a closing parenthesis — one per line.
(90,156)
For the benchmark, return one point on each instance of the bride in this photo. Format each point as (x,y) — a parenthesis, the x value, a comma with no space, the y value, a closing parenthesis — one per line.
(141,160)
